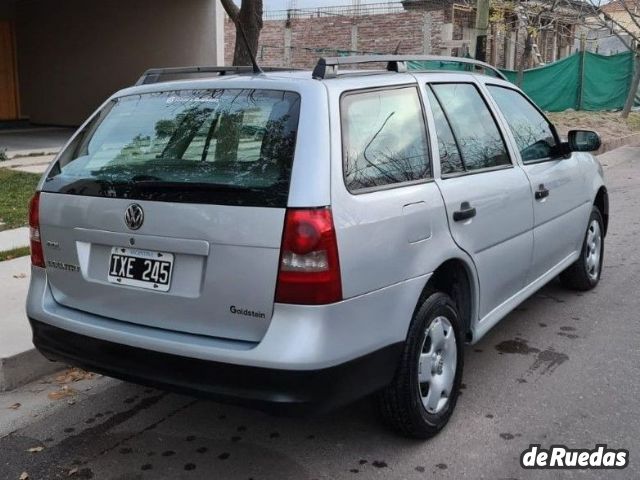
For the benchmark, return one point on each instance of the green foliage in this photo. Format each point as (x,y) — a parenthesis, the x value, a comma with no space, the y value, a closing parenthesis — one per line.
(165,128)
(16,188)
(15,253)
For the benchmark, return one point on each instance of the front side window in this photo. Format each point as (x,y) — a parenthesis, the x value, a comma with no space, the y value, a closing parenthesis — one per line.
(232,147)
(531,130)
(384,138)
(478,138)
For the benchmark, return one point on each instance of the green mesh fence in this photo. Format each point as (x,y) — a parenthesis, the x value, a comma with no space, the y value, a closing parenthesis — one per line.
(582,81)
(554,87)
(606,81)
(439,65)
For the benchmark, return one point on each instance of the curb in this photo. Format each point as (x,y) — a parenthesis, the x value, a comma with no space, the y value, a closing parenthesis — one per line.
(11,239)
(23,368)
(20,362)
(32,153)
(612,144)
(22,162)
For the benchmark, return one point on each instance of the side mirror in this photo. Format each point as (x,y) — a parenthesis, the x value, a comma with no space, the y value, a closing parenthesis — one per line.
(583,141)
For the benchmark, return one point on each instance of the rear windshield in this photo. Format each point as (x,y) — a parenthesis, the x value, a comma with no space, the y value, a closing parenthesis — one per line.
(230,147)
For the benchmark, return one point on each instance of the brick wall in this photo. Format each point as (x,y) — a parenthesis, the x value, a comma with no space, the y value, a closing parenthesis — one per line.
(418,32)
(300,42)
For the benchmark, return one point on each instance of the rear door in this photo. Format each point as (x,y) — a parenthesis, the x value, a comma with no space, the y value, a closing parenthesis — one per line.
(560,198)
(167,210)
(487,196)
(387,208)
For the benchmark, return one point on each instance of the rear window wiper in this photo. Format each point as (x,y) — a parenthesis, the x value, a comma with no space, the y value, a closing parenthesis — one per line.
(145,178)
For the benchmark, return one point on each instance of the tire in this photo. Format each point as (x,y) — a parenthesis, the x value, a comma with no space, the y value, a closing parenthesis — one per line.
(584,274)
(406,405)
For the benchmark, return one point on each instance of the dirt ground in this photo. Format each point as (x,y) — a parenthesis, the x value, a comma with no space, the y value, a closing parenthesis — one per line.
(609,125)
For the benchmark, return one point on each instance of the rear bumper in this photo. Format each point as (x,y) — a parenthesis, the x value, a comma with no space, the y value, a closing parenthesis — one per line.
(285,392)
(311,358)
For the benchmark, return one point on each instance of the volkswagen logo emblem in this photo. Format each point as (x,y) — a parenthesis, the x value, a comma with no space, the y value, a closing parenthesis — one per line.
(134,216)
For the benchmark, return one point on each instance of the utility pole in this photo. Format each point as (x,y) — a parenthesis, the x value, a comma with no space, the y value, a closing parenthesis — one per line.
(482,28)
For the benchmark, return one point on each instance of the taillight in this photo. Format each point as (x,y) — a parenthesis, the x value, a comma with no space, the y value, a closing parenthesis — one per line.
(309,271)
(37,255)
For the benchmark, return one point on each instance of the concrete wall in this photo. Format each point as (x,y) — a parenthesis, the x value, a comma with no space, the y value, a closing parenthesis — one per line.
(72,55)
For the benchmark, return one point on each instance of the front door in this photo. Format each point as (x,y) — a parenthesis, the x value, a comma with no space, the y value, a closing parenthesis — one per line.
(8,77)
(561,202)
(487,197)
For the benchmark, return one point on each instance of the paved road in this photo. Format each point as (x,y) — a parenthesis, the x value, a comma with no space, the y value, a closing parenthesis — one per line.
(564,368)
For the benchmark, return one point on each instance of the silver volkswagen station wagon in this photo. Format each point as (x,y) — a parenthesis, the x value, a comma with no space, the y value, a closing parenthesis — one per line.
(294,240)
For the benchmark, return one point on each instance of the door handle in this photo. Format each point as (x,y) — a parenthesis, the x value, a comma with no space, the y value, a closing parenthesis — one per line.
(542,192)
(466,211)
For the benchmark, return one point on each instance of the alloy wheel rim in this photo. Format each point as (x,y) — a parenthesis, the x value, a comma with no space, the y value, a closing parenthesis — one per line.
(594,250)
(437,365)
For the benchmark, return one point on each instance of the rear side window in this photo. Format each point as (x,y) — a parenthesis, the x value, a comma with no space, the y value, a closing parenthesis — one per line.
(531,130)
(450,159)
(384,138)
(478,138)
(232,147)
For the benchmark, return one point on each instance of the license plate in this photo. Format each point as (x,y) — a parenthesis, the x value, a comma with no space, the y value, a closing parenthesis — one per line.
(141,268)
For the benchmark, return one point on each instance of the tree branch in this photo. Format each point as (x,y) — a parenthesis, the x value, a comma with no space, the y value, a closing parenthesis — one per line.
(630,13)
(232,9)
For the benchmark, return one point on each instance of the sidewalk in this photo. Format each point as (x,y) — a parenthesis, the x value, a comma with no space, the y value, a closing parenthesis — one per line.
(19,361)
(34,139)
(32,149)
(16,238)
(31,164)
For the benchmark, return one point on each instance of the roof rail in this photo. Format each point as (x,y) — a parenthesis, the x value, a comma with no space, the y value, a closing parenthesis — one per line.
(154,75)
(328,67)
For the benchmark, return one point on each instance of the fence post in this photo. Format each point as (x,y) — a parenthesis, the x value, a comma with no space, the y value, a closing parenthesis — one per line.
(287,45)
(581,80)
(354,35)
(633,88)
(426,33)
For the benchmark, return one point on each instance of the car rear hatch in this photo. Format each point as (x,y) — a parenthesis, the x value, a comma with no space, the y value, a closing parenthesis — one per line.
(167,210)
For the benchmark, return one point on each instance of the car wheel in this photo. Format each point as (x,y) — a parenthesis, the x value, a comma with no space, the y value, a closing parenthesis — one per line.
(423,394)
(584,273)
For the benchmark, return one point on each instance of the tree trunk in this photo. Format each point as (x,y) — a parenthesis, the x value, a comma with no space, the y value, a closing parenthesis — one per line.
(228,138)
(482,26)
(247,19)
(632,89)
(528,48)
(250,20)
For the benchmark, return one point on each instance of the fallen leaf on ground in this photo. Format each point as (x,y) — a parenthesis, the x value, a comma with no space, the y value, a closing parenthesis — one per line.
(15,406)
(64,392)
(73,471)
(73,375)
(35,449)
(24,476)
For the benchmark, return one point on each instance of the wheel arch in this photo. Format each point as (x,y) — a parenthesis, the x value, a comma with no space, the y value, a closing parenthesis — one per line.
(455,277)
(602,202)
